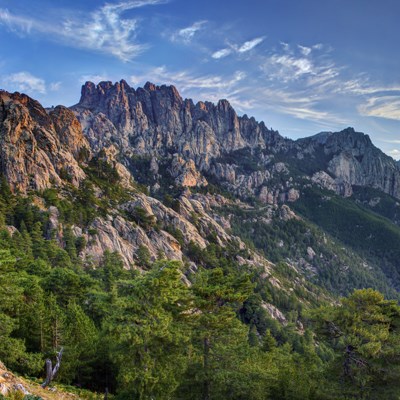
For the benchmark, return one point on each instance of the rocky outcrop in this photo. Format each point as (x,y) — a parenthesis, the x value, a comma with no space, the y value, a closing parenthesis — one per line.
(350,158)
(155,119)
(274,313)
(338,185)
(186,173)
(110,155)
(38,149)
(195,221)
(16,387)
(125,238)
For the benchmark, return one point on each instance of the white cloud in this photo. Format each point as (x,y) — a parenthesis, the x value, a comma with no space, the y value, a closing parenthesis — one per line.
(244,48)
(25,82)
(318,46)
(185,80)
(393,141)
(104,30)
(301,104)
(305,50)
(311,84)
(20,24)
(395,153)
(383,106)
(249,45)
(285,46)
(187,34)
(287,68)
(221,53)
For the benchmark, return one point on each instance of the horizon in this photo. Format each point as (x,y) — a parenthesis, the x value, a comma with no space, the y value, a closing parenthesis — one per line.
(300,68)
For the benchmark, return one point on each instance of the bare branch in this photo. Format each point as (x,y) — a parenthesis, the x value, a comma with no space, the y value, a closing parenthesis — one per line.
(50,371)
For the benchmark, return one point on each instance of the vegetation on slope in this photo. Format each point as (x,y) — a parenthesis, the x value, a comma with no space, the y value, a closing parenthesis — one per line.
(369,234)
(148,335)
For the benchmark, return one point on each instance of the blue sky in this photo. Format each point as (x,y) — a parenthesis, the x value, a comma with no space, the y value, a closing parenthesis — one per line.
(301,66)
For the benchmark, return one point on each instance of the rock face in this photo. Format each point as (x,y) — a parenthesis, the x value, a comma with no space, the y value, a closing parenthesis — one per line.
(350,158)
(39,149)
(156,120)
(125,237)
(185,173)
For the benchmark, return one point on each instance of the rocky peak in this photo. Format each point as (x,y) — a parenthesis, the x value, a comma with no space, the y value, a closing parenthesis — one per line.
(155,119)
(37,147)
(351,159)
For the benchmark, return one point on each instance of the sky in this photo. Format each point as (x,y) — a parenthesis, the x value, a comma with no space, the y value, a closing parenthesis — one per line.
(302,67)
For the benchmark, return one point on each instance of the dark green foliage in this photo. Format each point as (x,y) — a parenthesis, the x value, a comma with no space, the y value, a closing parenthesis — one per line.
(170,202)
(316,161)
(102,170)
(142,218)
(176,233)
(365,335)
(151,335)
(369,234)
(246,159)
(143,256)
(378,202)
(140,169)
(282,240)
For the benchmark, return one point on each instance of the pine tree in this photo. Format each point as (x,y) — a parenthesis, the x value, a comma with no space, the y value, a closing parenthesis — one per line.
(80,339)
(218,333)
(149,333)
(365,334)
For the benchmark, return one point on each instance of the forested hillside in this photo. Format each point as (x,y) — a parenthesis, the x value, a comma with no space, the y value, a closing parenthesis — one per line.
(178,251)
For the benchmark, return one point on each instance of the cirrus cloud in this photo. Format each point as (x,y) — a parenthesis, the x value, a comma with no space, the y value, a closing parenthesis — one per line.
(104,30)
(238,49)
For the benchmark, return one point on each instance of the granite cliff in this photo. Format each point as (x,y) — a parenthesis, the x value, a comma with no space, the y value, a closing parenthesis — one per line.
(39,149)
(212,140)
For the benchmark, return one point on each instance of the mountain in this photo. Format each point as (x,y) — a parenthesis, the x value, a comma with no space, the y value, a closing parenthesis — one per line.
(156,121)
(38,147)
(160,145)
(99,201)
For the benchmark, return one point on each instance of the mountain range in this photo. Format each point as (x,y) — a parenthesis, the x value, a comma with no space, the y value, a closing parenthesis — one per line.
(166,173)
(161,249)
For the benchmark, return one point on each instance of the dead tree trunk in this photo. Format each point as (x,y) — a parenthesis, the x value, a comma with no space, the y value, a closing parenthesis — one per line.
(50,371)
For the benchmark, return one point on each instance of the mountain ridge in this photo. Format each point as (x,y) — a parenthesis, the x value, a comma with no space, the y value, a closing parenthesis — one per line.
(133,194)
(160,173)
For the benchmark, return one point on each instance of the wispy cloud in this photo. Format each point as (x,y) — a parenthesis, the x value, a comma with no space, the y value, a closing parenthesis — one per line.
(384,107)
(395,153)
(311,85)
(287,68)
(393,141)
(186,80)
(239,49)
(22,25)
(305,50)
(93,78)
(300,104)
(221,53)
(210,87)
(249,45)
(187,34)
(24,82)
(104,30)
